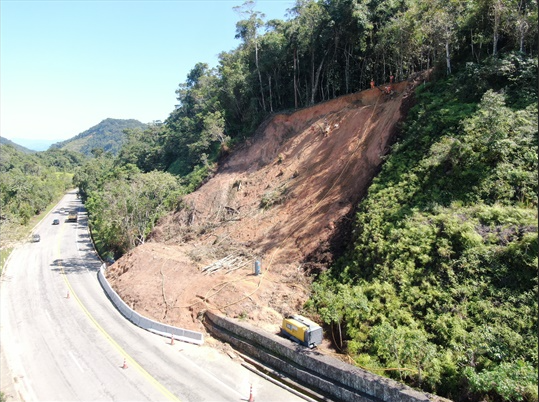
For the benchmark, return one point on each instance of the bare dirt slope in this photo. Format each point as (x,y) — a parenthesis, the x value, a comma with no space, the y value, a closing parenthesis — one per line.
(282,199)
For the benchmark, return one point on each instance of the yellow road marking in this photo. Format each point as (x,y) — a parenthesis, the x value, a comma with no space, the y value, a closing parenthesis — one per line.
(131,361)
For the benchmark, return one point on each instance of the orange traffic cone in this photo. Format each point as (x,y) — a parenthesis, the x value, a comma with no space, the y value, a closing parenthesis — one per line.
(125,364)
(251,397)
(172,339)
(67,297)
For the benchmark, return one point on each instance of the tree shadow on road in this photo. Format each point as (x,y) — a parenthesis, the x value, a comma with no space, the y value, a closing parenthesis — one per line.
(74,266)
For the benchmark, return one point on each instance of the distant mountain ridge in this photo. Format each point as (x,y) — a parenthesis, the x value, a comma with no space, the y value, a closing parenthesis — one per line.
(5,141)
(107,135)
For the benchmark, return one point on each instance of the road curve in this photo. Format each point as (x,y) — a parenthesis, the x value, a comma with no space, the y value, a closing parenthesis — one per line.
(63,340)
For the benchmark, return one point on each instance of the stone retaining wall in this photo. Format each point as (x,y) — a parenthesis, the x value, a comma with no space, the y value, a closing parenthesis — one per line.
(326,374)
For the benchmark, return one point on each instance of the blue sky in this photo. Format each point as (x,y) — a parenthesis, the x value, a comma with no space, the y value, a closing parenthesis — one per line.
(67,65)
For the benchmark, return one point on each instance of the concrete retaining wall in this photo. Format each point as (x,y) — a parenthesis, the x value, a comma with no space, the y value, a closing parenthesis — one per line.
(330,376)
(143,322)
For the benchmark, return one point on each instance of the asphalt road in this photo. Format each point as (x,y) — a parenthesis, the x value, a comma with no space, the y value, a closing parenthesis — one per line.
(62,339)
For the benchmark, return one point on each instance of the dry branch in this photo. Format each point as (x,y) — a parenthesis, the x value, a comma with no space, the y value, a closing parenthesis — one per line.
(229,263)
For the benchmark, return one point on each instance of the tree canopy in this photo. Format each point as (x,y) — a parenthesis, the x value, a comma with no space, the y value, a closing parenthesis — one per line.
(30,182)
(328,48)
(440,280)
(438,287)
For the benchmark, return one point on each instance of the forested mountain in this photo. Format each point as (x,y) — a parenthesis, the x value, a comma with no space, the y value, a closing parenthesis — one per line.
(5,141)
(438,285)
(107,136)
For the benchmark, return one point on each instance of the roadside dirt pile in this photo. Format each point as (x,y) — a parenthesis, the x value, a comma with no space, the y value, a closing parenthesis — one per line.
(284,198)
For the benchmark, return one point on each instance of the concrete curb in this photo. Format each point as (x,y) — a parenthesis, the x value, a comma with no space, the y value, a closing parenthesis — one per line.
(150,325)
(145,323)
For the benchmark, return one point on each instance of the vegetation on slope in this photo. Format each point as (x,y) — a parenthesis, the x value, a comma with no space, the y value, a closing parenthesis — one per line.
(124,202)
(439,288)
(5,141)
(30,182)
(107,136)
(325,49)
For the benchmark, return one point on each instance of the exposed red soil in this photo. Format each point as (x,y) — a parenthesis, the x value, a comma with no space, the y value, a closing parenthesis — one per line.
(282,198)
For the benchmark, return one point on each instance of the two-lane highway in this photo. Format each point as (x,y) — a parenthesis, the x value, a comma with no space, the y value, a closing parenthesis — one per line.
(65,341)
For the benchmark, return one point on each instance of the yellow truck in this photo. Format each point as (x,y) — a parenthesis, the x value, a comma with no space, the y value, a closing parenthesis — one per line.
(302,330)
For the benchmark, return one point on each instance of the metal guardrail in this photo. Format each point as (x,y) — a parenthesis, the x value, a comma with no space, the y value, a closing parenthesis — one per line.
(145,323)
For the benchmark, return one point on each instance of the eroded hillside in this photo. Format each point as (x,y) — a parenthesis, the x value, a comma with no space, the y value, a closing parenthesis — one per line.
(283,198)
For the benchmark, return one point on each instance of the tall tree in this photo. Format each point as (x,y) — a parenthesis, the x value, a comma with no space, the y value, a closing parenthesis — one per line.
(497,9)
(311,29)
(521,21)
(247,30)
(196,129)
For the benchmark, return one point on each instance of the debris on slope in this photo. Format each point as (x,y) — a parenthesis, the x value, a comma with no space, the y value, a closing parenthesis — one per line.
(281,199)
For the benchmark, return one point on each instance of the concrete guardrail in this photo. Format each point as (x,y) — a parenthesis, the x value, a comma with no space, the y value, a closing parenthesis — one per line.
(143,322)
(311,368)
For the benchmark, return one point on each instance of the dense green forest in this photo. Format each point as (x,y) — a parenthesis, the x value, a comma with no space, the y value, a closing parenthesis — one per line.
(438,287)
(440,282)
(326,49)
(124,203)
(30,182)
